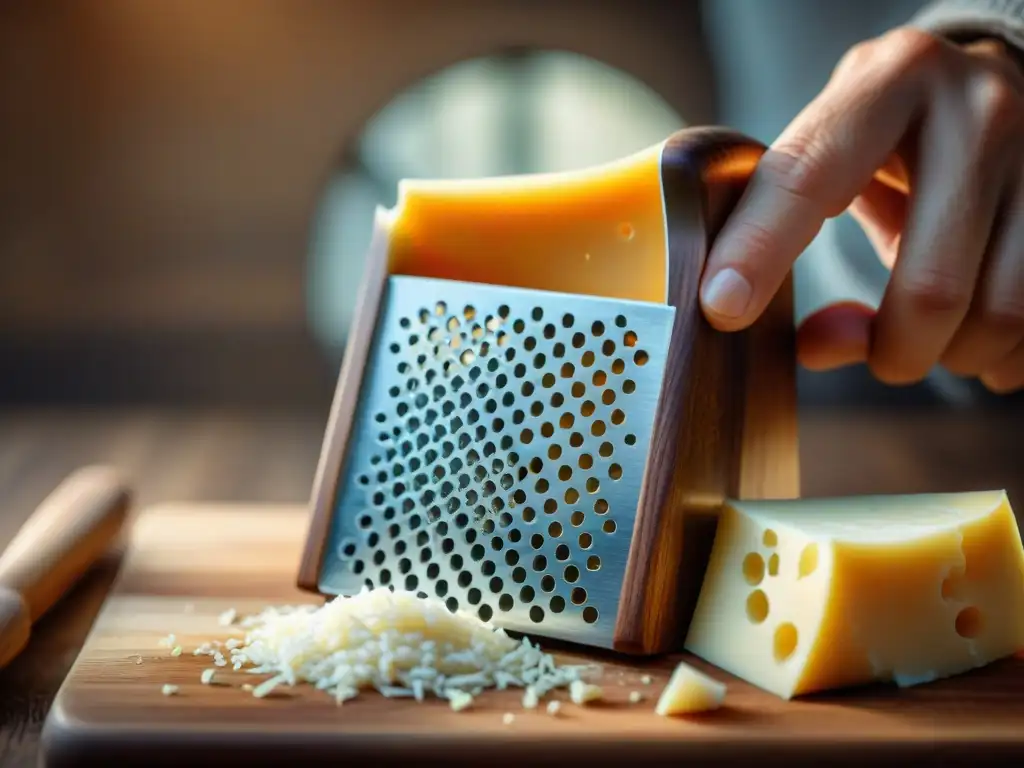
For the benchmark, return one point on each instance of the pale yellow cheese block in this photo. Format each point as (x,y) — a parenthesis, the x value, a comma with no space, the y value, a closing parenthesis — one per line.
(811,595)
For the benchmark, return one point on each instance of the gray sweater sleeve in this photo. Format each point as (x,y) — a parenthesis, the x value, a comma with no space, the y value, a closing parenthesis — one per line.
(963,20)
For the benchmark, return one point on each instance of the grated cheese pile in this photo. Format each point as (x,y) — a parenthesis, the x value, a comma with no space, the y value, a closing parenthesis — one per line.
(395,642)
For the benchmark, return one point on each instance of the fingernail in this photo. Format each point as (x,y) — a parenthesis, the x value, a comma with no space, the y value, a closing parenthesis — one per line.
(728,294)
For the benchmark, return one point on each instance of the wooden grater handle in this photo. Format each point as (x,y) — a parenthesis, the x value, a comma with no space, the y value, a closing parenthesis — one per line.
(68,532)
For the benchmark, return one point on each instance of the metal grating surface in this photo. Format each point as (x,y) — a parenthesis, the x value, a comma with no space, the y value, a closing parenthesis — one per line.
(499,451)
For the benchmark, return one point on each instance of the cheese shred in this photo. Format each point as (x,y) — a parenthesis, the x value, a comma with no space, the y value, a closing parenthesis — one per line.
(396,643)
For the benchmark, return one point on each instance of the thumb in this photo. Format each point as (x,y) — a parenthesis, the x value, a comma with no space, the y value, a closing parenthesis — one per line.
(835,336)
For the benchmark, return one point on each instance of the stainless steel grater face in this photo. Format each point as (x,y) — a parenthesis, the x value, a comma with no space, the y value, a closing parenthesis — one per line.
(498,452)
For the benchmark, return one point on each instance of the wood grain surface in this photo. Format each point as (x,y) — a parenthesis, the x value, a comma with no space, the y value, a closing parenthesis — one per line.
(271,457)
(188,563)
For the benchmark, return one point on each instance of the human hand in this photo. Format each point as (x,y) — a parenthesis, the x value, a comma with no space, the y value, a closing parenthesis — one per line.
(923,141)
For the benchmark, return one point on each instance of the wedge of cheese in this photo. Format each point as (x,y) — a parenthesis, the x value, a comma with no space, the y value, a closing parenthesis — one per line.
(689,692)
(598,231)
(810,595)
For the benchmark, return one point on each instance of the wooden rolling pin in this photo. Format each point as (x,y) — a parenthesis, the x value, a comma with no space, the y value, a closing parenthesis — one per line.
(64,537)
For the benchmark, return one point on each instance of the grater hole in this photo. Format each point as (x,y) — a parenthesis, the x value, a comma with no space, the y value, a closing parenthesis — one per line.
(578,389)
(547,429)
(484,612)
(515,536)
(473,596)
(606,450)
(558,350)
(588,359)
(526,594)
(597,328)
(557,399)
(518,326)
(537,314)
(526,436)
(536,614)
(590,614)
(608,396)
(511,557)
(529,343)
(618,417)
(548,380)
(640,358)
(593,563)
(578,596)
(587,409)
(620,321)
(618,366)
(567,371)
(576,519)
(571,574)
(554,452)
(549,331)
(576,440)
(608,526)
(593,485)
(600,378)
(547,583)
(550,506)
(568,320)
(555,530)
(571,496)
(586,541)
(529,515)
(505,603)
(557,604)
(541,486)
(565,473)
(562,552)
(578,340)
(540,563)
(615,472)
(519,575)
(586,461)
(608,348)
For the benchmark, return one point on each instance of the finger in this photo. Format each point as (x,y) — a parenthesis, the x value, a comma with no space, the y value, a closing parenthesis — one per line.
(813,171)
(835,336)
(957,188)
(994,325)
(881,212)
(1007,375)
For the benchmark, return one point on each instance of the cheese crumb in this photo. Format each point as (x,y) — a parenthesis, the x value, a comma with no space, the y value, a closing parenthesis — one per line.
(176,651)
(168,642)
(635,697)
(207,677)
(227,618)
(508,718)
(459,700)
(530,699)
(646,679)
(690,691)
(554,707)
(247,686)
(394,642)
(582,693)
(169,690)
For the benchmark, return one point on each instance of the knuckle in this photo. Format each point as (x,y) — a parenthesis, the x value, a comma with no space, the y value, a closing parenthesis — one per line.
(797,167)
(857,57)
(913,50)
(997,105)
(934,292)
(1003,315)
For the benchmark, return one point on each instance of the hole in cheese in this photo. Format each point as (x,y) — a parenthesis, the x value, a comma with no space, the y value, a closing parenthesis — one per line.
(968,622)
(773,565)
(785,641)
(757,606)
(808,560)
(753,569)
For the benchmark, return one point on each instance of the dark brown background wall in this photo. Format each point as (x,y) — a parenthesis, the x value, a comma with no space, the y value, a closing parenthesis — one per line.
(161,162)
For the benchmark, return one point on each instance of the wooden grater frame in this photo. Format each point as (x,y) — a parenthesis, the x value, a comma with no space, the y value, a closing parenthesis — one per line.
(726,421)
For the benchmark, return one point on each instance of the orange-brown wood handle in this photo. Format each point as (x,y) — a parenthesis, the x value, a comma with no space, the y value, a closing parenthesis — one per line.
(68,532)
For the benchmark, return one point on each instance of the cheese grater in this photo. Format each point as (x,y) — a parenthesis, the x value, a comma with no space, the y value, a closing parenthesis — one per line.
(533,455)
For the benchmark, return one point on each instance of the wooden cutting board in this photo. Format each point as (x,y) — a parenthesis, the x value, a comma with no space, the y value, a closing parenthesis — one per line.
(189,563)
